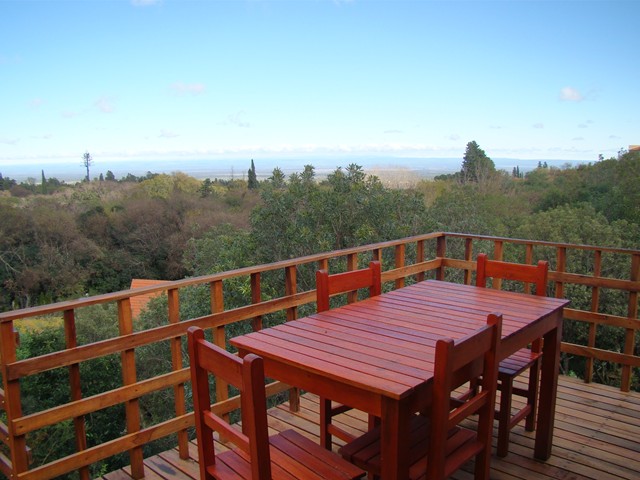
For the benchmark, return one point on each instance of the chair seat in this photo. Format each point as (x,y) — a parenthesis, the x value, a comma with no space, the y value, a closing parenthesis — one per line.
(518,362)
(293,456)
(365,451)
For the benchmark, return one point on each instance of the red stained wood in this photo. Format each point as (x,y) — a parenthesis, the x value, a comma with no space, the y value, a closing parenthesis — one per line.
(362,372)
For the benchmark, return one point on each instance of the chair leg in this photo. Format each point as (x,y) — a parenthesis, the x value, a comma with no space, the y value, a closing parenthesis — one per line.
(504,417)
(532,396)
(325,420)
(373,422)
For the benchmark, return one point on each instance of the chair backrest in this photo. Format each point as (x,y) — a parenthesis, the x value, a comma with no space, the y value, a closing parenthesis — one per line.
(247,375)
(455,363)
(327,285)
(535,274)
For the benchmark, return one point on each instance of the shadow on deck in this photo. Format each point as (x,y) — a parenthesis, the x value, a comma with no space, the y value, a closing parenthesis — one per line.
(597,436)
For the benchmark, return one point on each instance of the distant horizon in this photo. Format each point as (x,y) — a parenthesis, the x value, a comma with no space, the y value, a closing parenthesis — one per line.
(422,167)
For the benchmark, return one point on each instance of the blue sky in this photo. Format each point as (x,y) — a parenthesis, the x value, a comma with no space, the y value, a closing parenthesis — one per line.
(145,79)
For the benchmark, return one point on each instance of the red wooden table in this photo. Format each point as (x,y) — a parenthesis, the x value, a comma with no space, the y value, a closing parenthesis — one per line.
(377,354)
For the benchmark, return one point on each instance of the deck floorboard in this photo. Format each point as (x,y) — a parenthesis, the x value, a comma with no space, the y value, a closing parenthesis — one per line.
(597,436)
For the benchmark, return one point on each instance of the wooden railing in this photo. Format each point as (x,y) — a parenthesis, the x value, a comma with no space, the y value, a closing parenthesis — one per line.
(444,256)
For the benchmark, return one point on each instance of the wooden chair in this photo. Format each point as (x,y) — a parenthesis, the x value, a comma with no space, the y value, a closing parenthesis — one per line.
(439,445)
(326,286)
(521,361)
(256,456)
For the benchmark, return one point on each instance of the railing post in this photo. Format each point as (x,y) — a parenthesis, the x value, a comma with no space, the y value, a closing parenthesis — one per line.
(629,343)
(498,254)
(561,260)
(468,256)
(71,341)
(441,252)
(12,405)
(176,364)
(352,264)
(256,297)
(419,259)
(399,263)
(219,337)
(528,260)
(595,300)
(132,407)
(291,288)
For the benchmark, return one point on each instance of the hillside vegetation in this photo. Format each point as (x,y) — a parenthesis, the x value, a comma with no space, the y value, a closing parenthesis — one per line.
(64,241)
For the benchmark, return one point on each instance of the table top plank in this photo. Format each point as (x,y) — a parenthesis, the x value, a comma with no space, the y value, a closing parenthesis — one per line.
(361,337)
(347,354)
(324,366)
(385,344)
(343,345)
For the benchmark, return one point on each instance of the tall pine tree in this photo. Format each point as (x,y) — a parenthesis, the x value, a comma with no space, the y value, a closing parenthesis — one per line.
(476,165)
(253,178)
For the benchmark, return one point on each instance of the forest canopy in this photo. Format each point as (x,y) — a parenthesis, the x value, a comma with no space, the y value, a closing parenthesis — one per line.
(61,241)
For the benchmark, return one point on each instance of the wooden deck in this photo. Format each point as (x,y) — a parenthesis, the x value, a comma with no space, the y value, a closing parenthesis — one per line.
(597,436)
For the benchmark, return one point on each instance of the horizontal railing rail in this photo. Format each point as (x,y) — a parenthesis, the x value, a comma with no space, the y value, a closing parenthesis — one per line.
(443,256)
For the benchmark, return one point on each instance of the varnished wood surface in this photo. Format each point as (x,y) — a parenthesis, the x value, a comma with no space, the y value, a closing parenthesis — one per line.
(377,354)
(597,437)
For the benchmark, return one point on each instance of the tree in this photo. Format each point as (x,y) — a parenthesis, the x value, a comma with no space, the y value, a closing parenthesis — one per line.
(476,165)
(87,160)
(110,177)
(253,179)
(516,173)
(43,184)
(277,178)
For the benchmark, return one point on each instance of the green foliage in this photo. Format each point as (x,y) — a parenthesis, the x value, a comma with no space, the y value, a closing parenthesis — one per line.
(610,186)
(477,167)
(6,183)
(349,208)
(252,183)
(579,224)
(51,388)
(465,208)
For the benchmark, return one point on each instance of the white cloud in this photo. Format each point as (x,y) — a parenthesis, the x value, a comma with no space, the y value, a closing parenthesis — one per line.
(454,137)
(36,103)
(9,141)
(168,134)
(237,120)
(390,132)
(104,104)
(570,94)
(538,125)
(578,139)
(188,88)
(145,3)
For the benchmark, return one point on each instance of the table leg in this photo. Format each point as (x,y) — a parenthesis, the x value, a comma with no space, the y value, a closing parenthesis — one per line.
(395,439)
(548,391)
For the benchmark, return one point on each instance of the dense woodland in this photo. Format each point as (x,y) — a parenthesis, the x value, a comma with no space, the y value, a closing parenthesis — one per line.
(60,241)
